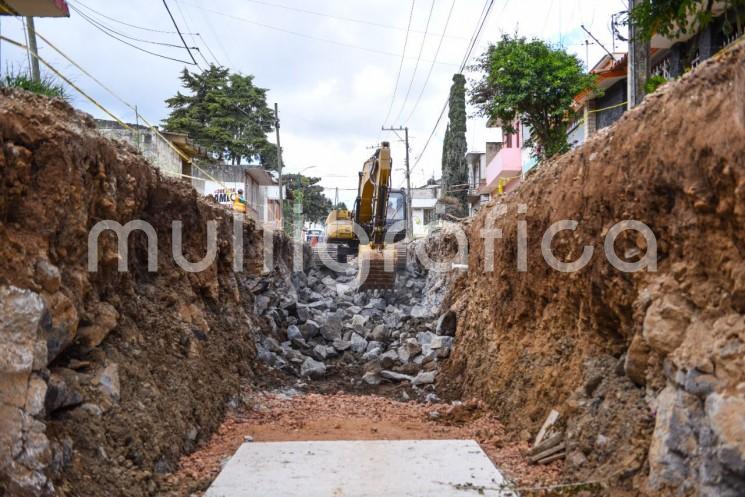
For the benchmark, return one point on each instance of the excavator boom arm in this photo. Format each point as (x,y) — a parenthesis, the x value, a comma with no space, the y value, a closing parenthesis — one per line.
(372,194)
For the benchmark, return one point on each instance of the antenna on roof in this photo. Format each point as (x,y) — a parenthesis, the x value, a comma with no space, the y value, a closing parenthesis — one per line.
(597,41)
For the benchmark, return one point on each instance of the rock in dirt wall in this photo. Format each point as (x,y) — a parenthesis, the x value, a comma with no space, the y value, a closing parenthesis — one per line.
(107,377)
(648,368)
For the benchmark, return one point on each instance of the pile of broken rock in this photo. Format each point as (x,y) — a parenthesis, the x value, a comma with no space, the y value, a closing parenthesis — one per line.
(318,326)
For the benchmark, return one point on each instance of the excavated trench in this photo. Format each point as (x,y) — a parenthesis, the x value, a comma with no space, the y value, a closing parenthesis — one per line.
(143,382)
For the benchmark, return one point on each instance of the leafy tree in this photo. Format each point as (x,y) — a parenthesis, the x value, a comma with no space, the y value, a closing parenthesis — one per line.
(225,113)
(341,206)
(454,146)
(531,81)
(316,206)
(676,17)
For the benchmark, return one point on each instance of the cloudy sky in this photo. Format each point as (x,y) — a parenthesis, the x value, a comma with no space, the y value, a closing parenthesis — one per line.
(330,64)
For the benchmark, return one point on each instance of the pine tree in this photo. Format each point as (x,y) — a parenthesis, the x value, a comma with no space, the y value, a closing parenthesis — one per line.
(455,147)
(226,114)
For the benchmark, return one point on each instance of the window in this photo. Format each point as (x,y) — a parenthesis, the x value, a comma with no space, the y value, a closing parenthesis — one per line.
(396,206)
(428,216)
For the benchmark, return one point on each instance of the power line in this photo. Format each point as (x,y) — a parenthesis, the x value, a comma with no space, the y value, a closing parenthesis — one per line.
(78,2)
(65,79)
(302,35)
(401,64)
(418,58)
(486,10)
(432,65)
(193,39)
(179,33)
(338,17)
(216,36)
(134,108)
(488,4)
(107,33)
(209,49)
(112,30)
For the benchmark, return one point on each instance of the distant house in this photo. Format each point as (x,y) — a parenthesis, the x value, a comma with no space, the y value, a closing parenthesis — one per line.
(174,159)
(476,161)
(669,58)
(262,197)
(423,207)
(505,167)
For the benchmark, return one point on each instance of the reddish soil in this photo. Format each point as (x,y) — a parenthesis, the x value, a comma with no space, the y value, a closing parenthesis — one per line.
(529,342)
(182,341)
(273,416)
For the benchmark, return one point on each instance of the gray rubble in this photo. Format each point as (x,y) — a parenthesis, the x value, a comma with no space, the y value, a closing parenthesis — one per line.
(394,336)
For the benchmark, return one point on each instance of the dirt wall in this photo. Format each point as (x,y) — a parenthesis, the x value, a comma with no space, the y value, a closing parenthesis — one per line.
(646,368)
(107,377)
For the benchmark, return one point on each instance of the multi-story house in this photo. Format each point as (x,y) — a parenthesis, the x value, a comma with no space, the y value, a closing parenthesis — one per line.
(669,58)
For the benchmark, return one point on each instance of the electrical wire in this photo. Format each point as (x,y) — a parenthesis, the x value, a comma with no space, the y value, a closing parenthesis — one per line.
(65,79)
(193,39)
(486,10)
(112,30)
(418,58)
(339,18)
(135,46)
(173,20)
(78,2)
(401,64)
(115,95)
(302,35)
(217,61)
(432,65)
(215,35)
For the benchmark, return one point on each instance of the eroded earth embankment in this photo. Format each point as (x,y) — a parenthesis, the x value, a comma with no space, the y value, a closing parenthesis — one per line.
(647,369)
(107,377)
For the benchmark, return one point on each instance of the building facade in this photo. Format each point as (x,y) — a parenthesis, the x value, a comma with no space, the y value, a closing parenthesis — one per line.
(669,58)
(172,153)
(424,207)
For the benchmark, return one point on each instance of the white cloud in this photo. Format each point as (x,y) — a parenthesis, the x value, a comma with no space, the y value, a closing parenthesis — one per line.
(332,98)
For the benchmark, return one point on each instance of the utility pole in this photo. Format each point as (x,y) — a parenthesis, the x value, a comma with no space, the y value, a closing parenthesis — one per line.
(638,62)
(35,73)
(279,166)
(409,233)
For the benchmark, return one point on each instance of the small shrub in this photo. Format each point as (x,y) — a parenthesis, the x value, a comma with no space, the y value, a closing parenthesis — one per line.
(654,82)
(48,85)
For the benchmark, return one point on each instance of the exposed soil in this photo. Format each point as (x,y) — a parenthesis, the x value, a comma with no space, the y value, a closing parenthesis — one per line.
(290,415)
(176,344)
(134,372)
(599,344)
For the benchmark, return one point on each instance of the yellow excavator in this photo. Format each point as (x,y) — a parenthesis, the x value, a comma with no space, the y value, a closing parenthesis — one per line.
(382,213)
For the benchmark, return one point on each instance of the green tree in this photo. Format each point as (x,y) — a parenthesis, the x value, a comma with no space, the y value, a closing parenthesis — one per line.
(455,147)
(341,206)
(530,81)
(225,113)
(316,206)
(676,17)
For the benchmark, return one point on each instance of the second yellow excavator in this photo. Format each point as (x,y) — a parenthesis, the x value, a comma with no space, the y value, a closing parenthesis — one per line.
(382,214)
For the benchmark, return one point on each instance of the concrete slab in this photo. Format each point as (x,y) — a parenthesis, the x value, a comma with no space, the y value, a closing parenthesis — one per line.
(381,468)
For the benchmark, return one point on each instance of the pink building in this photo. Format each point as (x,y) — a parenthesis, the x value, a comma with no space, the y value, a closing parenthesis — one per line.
(503,172)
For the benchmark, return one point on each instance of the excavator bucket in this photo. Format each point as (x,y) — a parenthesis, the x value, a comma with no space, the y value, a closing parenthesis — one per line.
(378,267)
